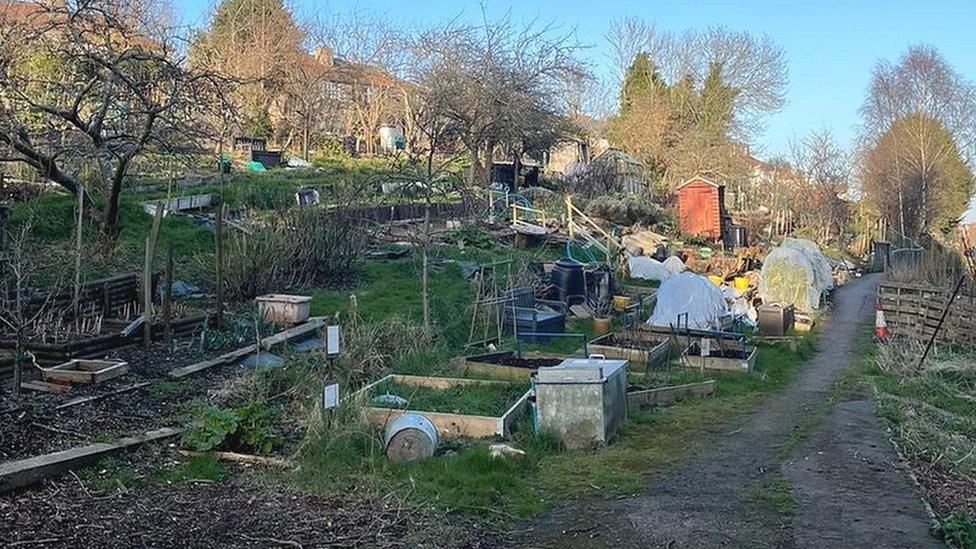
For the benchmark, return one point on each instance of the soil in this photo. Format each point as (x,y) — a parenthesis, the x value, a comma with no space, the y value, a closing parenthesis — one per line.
(945,490)
(530,363)
(848,488)
(37,428)
(238,513)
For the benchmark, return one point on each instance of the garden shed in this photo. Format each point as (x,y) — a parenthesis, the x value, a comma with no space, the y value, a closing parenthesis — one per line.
(701,207)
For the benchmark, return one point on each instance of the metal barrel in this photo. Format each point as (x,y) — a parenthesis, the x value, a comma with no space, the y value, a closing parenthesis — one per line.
(410,437)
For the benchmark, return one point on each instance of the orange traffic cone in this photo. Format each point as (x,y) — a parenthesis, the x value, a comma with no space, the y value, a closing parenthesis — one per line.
(880,326)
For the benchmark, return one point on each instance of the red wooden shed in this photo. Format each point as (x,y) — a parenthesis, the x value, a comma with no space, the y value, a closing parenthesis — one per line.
(701,206)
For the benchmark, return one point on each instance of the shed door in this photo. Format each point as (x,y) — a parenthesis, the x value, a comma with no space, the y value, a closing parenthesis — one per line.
(699,209)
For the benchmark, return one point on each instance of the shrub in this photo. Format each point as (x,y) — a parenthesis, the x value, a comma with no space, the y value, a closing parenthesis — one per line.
(625,209)
(472,236)
(298,248)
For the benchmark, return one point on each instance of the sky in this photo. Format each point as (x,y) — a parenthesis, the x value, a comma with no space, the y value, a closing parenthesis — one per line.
(831,46)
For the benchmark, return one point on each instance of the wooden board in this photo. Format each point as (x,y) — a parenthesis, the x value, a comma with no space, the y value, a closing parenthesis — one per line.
(265,344)
(720,363)
(666,395)
(24,472)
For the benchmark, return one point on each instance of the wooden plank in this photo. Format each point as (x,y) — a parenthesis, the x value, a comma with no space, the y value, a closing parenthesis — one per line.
(313,324)
(667,395)
(443,382)
(93,398)
(447,425)
(45,387)
(24,472)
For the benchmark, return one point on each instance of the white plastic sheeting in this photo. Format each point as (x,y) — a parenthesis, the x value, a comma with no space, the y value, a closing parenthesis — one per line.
(674,264)
(647,268)
(692,294)
(788,276)
(821,265)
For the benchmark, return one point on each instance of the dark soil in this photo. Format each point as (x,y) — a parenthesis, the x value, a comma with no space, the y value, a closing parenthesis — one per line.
(945,490)
(37,428)
(230,514)
(530,363)
(730,493)
(640,344)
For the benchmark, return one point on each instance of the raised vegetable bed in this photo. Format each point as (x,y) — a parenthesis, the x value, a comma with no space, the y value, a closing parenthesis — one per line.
(85,371)
(725,358)
(457,407)
(507,365)
(640,348)
(660,396)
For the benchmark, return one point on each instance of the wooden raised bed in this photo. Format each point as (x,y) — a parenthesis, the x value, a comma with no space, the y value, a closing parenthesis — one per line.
(82,370)
(722,358)
(447,425)
(660,396)
(506,365)
(640,348)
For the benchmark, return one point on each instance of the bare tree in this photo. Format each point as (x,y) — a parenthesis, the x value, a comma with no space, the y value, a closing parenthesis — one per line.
(823,170)
(84,92)
(484,73)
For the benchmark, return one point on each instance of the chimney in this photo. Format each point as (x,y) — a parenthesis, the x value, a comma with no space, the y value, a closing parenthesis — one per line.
(324,55)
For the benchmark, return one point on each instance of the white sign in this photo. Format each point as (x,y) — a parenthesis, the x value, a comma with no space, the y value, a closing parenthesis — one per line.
(330,395)
(332,340)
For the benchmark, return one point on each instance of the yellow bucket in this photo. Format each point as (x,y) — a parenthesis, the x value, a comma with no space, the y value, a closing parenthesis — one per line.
(620,302)
(740,283)
(716,280)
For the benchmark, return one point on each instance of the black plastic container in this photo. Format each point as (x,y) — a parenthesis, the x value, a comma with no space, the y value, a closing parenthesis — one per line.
(569,279)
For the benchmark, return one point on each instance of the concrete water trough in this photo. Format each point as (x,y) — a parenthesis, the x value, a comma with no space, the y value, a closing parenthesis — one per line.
(448,425)
(506,365)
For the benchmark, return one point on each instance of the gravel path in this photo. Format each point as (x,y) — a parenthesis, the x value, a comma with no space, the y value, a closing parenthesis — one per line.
(847,489)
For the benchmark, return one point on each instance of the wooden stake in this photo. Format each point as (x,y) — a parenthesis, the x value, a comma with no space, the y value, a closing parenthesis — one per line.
(81,210)
(147,275)
(168,297)
(219,268)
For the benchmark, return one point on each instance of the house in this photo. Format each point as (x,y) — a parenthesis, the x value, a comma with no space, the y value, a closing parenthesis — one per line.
(701,208)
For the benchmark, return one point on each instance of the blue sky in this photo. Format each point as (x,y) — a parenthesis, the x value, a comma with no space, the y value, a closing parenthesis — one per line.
(831,46)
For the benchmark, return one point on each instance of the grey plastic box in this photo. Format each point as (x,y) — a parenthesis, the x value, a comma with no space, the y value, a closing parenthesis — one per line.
(582,400)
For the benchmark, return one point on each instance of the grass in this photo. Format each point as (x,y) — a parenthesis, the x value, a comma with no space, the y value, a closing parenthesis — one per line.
(775,493)
(467,480)
(490,400)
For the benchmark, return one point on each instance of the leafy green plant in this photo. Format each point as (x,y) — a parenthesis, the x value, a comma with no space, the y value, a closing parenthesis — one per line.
(472,236)
(256,425)
(214,427)
(959,528)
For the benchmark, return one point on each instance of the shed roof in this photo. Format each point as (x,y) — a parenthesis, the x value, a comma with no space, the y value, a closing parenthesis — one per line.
(701,178)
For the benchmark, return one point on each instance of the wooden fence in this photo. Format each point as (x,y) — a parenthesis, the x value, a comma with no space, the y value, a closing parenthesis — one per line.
(913,310)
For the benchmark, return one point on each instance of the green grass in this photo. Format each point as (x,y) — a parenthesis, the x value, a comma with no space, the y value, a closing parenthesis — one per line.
(649,441)
(776,494)
(195,468)
(490,400)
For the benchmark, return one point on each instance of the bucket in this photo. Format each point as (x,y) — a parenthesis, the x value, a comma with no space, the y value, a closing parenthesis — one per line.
(601,325)
(620,302)
(410,437)
(740,283)
(716,280)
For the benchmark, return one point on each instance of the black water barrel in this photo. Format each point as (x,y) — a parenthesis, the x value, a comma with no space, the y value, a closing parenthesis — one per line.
(569,278)
(738,236)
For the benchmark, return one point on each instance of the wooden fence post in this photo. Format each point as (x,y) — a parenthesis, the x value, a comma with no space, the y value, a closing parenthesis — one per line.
(168,297)
(219,268)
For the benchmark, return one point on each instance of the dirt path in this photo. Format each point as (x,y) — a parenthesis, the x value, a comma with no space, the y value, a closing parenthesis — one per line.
(841,488)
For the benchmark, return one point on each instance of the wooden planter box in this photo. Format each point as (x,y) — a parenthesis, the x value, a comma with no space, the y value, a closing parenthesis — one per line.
(505,365)
(723,358)
(284,309)
(660,396)
(640,348)
(85,371)
(447,425)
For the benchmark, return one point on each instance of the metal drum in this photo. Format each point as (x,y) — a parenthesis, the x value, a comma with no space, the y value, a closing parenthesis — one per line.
(410,437)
